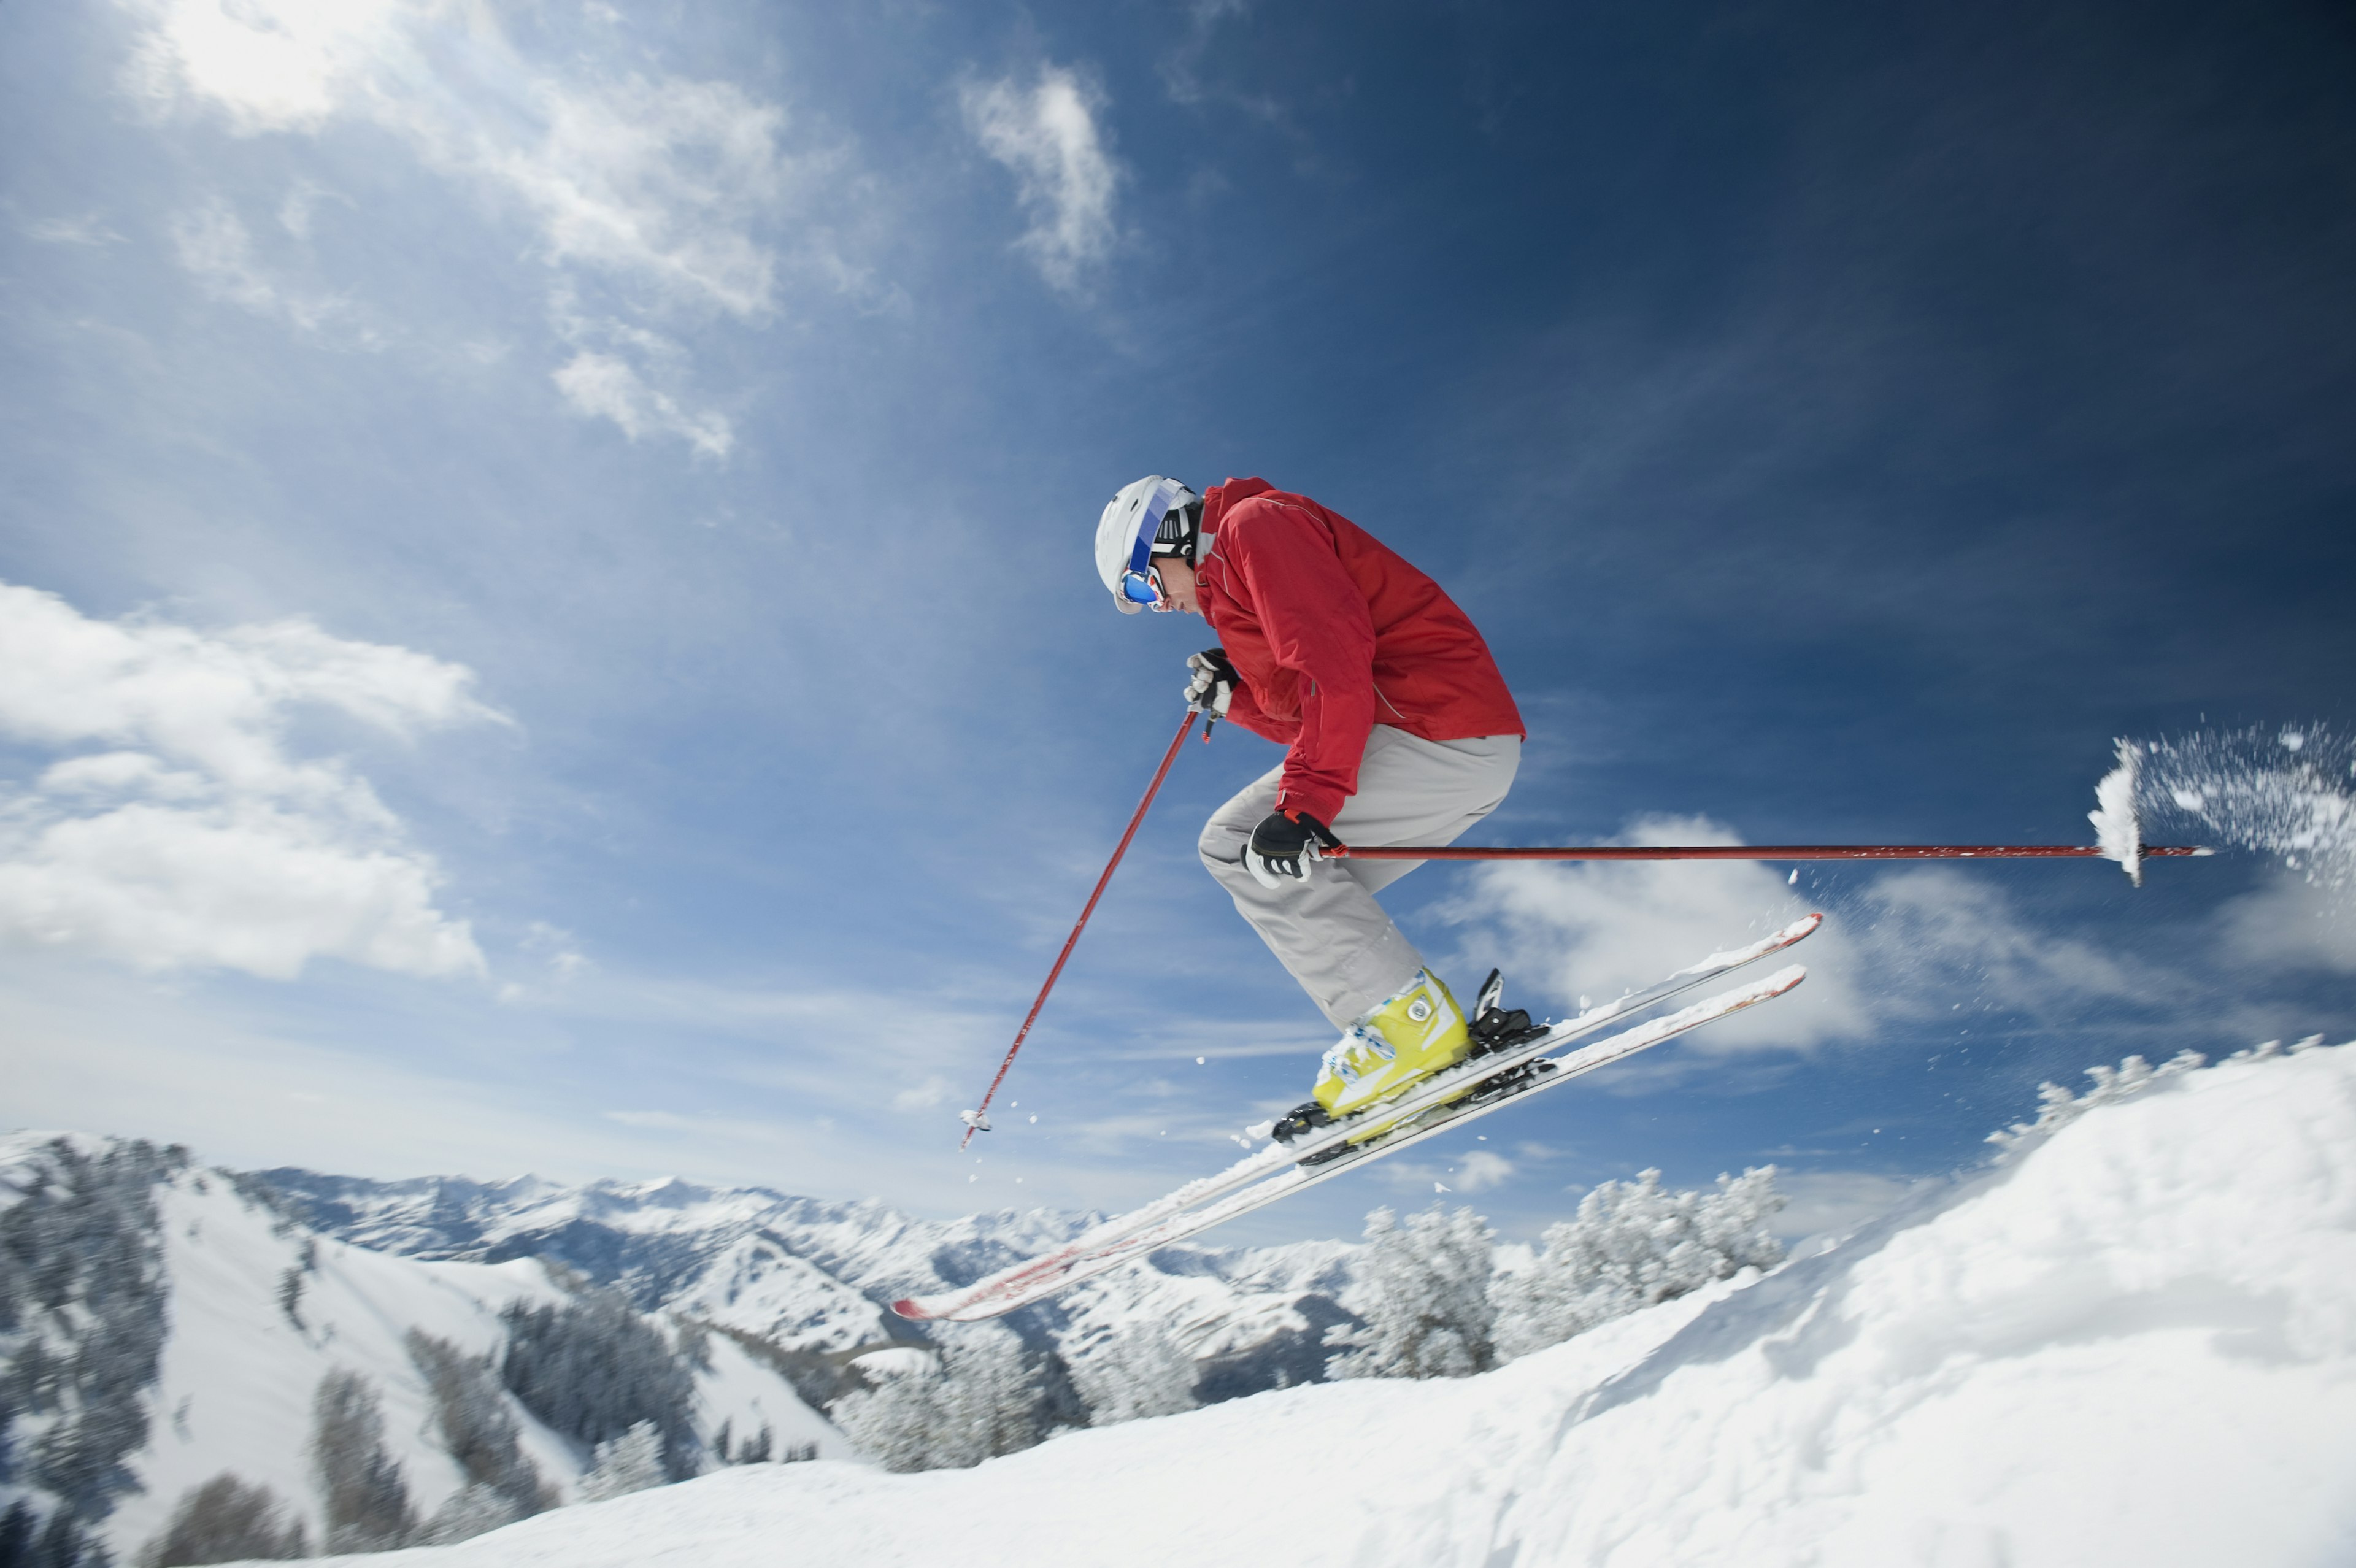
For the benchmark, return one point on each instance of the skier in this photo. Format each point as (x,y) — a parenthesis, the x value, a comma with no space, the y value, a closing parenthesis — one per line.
(1400,731)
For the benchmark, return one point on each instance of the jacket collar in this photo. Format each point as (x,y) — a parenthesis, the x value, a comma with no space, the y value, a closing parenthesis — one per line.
(1218,498)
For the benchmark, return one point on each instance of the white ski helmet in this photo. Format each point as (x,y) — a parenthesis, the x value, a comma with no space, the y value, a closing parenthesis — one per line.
(1153,510)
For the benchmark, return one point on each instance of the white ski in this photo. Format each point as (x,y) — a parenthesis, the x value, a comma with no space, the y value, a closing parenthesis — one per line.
(1040,1277)
(1280,1169)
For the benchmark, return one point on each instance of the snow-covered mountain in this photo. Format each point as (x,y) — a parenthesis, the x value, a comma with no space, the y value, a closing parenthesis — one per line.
(161,1323)
(2134,1340)
(809,1278)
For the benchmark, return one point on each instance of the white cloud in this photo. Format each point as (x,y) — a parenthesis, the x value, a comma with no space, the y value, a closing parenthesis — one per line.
(658,180)
(934,1091)
(1910,945)
(187,835)
(2293,922)
(603,386)
(217,250)
(1066,179)
(674,189)
(1599,929)
(557,947)
(1481,1169)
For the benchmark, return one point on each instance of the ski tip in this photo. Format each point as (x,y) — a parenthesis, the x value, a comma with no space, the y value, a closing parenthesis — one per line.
(909,1307)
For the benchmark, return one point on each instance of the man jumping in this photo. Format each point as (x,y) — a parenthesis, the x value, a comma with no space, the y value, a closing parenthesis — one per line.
(1400,731)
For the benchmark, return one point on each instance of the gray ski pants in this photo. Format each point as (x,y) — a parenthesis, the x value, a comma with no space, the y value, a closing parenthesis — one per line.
(1329,931)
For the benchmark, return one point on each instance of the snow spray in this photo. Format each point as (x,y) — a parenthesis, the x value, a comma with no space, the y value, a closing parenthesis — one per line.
(2286,792)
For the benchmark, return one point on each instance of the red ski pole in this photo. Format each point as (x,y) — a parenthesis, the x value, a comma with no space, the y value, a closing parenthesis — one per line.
(1748,852)
(978,1119)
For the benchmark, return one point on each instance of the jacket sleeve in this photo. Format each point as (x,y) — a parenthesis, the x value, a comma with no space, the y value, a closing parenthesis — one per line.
(1318,627)
(1244,708)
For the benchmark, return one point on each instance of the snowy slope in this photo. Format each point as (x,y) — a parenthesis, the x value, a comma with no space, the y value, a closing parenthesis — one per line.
(2134,1342)
(238,1371)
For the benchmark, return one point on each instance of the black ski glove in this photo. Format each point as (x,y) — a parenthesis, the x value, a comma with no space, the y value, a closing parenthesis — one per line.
(1285,844)
(1211,682)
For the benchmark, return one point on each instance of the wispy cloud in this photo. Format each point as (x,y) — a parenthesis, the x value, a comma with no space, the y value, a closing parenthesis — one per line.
(1905,949)
(217,250)
(1067,179)
(180,831)
(604,386)
(2293,922)
(1181,69)
(88,230)
(671,195)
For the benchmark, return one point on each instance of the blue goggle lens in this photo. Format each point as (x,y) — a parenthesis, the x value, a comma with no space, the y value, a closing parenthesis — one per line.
(1141,587)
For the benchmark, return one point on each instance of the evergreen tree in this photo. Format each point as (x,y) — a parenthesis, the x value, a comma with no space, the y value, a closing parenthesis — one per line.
(471,1418)
(362,1492)
(593,1369)
(1632,1245)
(1428,1312)
(62,1543)
(630,1463)
(290,1297)
(1137,1373)
(473,1509)
(978,1400)
(82,1297)
(225,1521)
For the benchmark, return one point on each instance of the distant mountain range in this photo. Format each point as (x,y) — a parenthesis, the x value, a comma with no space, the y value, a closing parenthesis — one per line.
(162,1323)
(809,1279)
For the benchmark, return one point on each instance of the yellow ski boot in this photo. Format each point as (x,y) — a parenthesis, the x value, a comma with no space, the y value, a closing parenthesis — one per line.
(1412,1034)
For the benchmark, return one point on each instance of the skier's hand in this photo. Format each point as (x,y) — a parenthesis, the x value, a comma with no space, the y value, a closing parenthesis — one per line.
(1211,682)
(1285,844)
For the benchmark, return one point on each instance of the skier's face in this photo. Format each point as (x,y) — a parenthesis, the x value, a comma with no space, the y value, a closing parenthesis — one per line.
(1178,583)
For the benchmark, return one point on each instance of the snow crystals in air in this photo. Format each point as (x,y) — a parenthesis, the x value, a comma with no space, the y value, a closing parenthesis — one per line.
(2286,794)
(2130,1340)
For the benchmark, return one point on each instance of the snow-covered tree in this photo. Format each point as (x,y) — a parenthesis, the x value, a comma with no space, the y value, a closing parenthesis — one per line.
(473,1509)
(82,1322)
(594,1368)
(1427,1312)
(630,1463)
(225,1521)
(362,1491)
(1137,1373)
(477,1431)
(2057,1107)
(977,1401)
(1632,1245)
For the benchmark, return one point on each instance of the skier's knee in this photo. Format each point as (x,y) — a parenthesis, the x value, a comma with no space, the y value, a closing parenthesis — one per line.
(1222,851)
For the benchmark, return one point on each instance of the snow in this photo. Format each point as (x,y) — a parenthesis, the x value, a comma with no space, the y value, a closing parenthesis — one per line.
(2286,794)
(237,1374)
(2133,1339)
(806,1274)
(2117,828)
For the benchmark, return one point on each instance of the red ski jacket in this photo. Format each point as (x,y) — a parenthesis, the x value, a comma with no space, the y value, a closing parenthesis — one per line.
(1333,633)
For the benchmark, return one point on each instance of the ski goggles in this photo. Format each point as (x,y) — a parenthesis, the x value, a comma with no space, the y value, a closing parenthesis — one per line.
(1141,585)
(1143,589)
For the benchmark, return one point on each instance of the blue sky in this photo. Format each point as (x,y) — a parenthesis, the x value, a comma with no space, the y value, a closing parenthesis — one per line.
(549,597)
